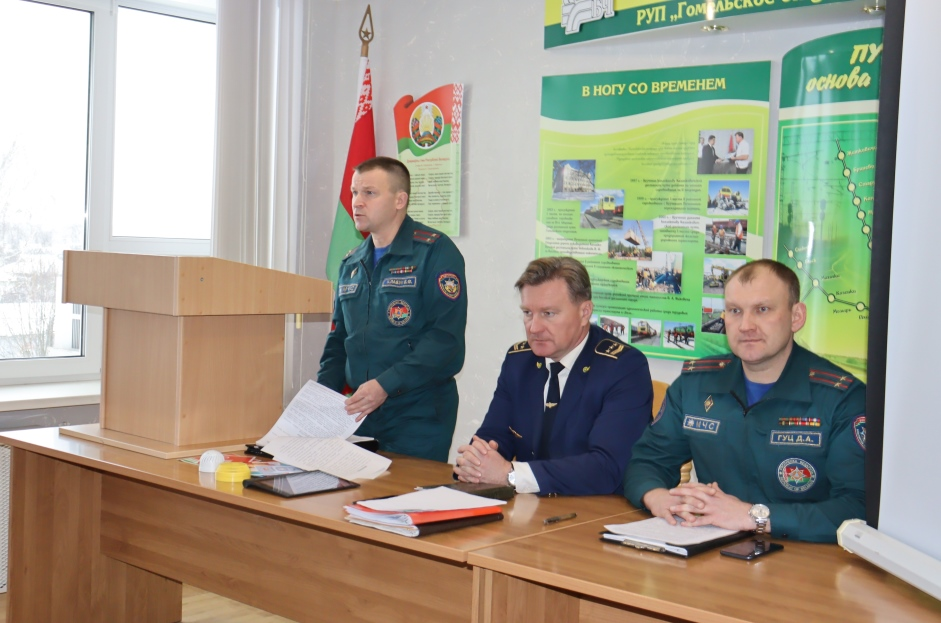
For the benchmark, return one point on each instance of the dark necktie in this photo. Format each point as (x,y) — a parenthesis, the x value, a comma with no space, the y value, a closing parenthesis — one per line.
(553,396)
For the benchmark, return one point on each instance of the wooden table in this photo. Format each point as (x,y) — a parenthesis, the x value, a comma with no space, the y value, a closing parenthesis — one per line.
(569,575)
(98,533)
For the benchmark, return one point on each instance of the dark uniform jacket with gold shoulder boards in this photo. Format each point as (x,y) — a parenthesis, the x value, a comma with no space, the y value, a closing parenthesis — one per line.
(605,406)
(800,449)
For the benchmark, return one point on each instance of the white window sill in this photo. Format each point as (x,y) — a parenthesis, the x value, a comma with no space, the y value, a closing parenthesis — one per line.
(49,395)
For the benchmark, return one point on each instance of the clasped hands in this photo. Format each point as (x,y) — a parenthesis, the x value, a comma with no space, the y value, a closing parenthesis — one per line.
(700,504)
(479,461)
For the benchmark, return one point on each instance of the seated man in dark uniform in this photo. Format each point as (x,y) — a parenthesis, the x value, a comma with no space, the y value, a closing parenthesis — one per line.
(570,401)
(777,434)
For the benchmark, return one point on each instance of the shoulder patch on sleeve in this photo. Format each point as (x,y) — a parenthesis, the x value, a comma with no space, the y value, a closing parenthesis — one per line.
(709,364)
(520,347)
(835,380)
(610,348)
(428,237)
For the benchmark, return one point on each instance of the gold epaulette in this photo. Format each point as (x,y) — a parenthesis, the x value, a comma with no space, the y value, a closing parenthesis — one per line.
(705,365)
(610,348)
(428,237)
(831,379)
(520,347)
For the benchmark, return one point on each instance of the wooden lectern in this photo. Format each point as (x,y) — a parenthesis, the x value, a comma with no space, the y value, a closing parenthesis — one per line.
(193,353)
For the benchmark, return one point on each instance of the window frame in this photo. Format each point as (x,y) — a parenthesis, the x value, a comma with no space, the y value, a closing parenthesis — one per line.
(99,186)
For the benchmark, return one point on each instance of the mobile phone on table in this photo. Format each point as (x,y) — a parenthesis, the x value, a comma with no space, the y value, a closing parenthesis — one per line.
(751,549)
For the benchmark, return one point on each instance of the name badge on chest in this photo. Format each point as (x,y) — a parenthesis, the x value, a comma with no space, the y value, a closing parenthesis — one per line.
(701,424)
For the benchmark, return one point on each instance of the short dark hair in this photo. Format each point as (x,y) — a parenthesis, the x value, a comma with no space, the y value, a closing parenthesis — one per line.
(748,272)
(740,134)
(544,269)
(712,137)
(398,173)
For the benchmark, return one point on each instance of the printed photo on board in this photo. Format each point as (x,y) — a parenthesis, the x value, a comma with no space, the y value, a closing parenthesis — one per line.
(573,180)
(726,236)
(725,152)
(727,198)
(680,335)
(713,315)
(662,274)
(633,242)
(716,273)
(605,210)
(645,332)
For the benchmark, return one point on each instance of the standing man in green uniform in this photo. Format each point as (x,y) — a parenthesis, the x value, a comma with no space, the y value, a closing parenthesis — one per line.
(398,322)
(777,434)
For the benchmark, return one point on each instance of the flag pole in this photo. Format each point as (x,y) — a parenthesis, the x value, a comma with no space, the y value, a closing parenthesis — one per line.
(366,33)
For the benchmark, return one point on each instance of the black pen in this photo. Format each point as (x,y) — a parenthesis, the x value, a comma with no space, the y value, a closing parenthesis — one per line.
(558,518)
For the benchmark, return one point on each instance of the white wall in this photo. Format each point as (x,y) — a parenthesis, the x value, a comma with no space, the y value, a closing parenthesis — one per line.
(495,48)
(908,504)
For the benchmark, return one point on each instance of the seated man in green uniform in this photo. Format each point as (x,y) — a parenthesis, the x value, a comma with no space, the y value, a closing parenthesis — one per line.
(398,322)
(777,433)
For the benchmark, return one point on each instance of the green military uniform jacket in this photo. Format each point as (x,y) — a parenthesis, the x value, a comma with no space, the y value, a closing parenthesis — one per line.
(800,449)
(402,324)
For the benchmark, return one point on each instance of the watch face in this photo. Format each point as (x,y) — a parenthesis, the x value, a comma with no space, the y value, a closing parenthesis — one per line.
(511,479)
(760,511)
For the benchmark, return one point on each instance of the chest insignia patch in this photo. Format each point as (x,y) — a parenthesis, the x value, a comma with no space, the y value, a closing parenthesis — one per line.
(859,431)
(349,288)
(399,313)
(450,285)
(708,404)
(796,438)
(796,475)
(799,421)
(700,424)
(402,270)
(400,282)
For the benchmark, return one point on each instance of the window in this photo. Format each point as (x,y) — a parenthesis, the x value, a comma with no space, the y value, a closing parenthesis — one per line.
(106,143)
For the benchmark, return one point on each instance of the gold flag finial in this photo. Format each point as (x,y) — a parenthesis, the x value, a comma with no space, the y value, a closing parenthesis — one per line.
(366,31)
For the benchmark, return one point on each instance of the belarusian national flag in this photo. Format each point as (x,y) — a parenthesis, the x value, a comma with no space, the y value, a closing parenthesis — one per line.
(362,147)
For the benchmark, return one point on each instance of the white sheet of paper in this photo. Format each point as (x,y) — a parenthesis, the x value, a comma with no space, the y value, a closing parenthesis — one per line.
(316,411)
(334,456)
(658,530)
(434,499)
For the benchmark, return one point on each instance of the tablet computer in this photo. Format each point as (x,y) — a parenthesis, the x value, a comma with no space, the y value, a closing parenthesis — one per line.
(301,483)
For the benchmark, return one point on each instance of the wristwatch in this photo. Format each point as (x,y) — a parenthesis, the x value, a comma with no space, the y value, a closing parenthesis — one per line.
(511,479)
(761,514)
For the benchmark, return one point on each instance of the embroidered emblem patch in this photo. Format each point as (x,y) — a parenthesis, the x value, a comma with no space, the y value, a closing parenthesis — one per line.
(859,431)
(796,475)
(402,270)
(708,404)
(701,424)
(656,418)
(450,285)
(349,288)
(400,282)
(796,438)
(799,421)
(399,312)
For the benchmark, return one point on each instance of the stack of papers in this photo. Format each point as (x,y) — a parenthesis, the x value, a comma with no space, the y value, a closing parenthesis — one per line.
(657,535)
(425,512)
(312,434)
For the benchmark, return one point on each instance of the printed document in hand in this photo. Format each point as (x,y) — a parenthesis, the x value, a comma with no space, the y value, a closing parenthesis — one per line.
(316,411)
(312,432)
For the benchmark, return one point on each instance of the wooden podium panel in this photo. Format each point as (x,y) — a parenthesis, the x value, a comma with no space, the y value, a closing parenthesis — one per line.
(187,380)
(194,346)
